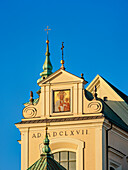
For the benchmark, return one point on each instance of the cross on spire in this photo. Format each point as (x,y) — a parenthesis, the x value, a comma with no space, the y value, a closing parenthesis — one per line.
(47,31)
(62,49)
(62,61)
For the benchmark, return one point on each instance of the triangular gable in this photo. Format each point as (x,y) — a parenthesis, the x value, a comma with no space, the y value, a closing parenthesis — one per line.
(111,94)
(61,76)
(120,93)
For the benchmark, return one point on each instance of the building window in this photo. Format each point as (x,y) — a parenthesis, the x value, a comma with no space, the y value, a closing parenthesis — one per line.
(67,159)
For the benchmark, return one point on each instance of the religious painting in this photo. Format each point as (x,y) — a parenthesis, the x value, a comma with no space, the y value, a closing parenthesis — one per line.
(61,101)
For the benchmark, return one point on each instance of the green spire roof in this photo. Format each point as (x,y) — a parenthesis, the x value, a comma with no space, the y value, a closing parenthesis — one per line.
(46,162)
(47,67)
(46,150)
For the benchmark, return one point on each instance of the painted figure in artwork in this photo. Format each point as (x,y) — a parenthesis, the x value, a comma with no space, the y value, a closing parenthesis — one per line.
(67,105)
(62,101)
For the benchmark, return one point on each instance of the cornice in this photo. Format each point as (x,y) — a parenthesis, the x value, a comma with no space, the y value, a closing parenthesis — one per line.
(88,121)
(115,151)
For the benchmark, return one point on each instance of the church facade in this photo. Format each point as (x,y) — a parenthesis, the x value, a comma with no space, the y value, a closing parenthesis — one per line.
(87,128)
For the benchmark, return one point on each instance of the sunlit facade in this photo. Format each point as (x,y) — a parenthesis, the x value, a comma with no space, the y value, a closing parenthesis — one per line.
(87,127)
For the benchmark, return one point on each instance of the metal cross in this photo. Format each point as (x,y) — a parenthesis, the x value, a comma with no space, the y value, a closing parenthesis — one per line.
(47,31)
(62,49)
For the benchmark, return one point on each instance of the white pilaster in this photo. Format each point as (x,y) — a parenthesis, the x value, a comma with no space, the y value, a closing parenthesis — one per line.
(98,147)
(24,149)
(43,101)
(75,106)
(80,99)
(47,100)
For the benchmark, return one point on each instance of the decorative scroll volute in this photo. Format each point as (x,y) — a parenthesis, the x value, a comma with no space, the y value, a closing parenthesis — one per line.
(95,106)
(29,112)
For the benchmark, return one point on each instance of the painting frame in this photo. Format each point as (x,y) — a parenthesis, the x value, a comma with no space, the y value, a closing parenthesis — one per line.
(61,100)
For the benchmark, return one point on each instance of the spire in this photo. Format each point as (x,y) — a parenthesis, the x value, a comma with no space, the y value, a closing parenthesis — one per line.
(46,149)
(46,160)
(47,67)
(62,61)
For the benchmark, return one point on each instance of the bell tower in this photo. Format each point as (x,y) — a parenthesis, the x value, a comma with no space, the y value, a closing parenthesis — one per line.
(82,126)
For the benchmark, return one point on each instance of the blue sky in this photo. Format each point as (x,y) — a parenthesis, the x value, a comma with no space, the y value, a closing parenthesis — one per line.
(95,36)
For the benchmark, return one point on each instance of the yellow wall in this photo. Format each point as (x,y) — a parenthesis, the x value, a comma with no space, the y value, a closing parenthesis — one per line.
(85,137)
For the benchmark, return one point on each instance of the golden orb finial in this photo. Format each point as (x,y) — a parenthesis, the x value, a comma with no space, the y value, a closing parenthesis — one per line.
(47,41)
(62,61)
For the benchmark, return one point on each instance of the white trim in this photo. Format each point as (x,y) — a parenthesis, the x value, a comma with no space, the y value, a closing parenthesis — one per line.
(94,81)
(57,73)
(118,134)
(25,149)
(79,150)
(63,149)
(116,152)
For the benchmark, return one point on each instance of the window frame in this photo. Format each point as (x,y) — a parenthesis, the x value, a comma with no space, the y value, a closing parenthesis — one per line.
(52,113)
(56,112)
(68,161)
